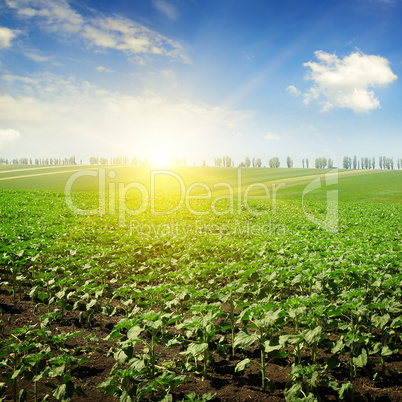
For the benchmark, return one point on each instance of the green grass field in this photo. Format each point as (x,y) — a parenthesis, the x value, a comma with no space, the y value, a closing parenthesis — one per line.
(357,185)
(218,299)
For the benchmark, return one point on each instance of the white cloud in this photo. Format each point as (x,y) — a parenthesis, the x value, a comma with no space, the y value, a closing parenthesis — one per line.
(292,90)
(272,137)
(6,36)
(70,115)
(57,15)
(347,82)
(8,136)
(116,32)
(168,10)
(37,57)
(102,69)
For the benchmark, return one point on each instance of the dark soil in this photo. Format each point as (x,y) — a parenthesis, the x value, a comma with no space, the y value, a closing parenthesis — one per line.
(221,379)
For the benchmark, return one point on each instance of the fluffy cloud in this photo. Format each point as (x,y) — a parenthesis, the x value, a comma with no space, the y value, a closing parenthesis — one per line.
(8,136)
(102,69)
(57,15)
(292,90)
(272,137)
(37,57)
(72,116)
(115,32)
(347,82)
(6,36)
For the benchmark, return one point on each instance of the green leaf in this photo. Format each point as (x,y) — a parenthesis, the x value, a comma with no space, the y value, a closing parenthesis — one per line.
(126,397)
(137,364)
(23,395)
(338,347)
(313,335)
(91,304)
(376,348)
(167,398)
(242,365)
(361,360)
(134,332)
(16,374)
(332,362)
(380,321)
(269,348)
(64,392)
(79,391)
(58,371)
(244,340)
(345,389)
(292,391)
(386,351)
(197,348)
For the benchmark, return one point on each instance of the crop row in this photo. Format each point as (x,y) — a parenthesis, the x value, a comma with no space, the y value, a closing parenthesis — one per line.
(184,292)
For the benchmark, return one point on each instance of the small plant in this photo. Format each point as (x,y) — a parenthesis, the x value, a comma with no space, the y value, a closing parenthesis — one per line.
(264,323)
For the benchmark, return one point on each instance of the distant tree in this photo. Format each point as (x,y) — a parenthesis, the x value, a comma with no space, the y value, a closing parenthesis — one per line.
(274,162)
(218,162)
(204,163)
(346,162)
(247,162)
(227,161)
(303,163)
(289,162)
(387,164)
(373,162)
(258,163)
(321,163)
(330,163)
(242,165)
(399,164)
(307,163)
(354,162)
(253,162)
(380,162)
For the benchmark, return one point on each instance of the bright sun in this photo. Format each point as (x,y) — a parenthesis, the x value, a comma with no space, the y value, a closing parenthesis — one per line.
(161,159)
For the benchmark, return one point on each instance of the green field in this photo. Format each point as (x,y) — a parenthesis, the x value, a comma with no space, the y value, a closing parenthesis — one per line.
(353,185)
(220,299)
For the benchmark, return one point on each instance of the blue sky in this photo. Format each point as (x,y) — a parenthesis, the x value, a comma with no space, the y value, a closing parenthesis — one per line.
(201,79)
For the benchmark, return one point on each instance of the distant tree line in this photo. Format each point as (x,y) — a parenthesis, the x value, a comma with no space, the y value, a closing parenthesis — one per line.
(370,163)
(38,161)
(355,163)
(134,161)
(251,162)
(322,163)
(225,161)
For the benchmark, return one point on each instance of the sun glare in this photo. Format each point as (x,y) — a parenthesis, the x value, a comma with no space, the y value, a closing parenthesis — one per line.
(161,159)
